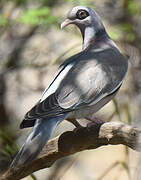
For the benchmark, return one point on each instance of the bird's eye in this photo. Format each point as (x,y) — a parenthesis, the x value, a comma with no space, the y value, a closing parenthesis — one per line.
(82,14)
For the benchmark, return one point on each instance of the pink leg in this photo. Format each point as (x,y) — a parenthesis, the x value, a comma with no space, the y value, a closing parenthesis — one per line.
(94,119)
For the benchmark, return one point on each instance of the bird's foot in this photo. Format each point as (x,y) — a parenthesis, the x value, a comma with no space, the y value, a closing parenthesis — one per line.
(75,123)
(77,129)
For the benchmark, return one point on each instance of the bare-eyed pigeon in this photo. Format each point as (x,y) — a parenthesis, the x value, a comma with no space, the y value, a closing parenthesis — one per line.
(85,83)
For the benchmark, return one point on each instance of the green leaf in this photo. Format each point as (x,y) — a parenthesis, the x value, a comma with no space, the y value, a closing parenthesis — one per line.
(82,2)
(114,34)
(134,7)
(5,137)
(126,27)
(3,21)
(38,16)
(10,149)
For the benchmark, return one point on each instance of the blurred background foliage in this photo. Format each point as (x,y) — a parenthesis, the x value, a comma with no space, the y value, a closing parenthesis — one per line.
(31,48)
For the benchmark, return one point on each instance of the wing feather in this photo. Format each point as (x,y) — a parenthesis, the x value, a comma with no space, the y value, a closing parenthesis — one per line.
(95,78)
(84,81)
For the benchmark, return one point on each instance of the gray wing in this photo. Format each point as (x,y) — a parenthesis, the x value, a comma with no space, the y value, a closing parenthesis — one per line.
(81,82)
(97,75)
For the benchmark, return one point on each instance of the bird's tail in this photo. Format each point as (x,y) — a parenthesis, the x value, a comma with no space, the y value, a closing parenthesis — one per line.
(36,140)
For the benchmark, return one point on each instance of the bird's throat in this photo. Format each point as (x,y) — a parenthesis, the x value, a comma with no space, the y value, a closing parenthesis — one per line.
(90,36)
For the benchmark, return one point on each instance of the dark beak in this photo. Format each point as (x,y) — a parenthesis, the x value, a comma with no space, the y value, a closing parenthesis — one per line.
(66,23)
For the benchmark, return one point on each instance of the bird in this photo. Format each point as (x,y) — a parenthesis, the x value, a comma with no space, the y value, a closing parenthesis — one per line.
(85,82)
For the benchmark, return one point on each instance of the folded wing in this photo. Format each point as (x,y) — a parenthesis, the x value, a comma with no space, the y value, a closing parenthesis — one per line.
(80,83)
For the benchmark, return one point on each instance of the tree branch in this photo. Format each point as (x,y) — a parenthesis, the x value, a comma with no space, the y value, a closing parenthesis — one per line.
(85,138)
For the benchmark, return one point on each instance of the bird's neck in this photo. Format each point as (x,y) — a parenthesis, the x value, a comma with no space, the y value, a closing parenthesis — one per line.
(91,36)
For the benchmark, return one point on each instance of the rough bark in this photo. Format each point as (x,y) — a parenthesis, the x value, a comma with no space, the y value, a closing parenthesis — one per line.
(85,138)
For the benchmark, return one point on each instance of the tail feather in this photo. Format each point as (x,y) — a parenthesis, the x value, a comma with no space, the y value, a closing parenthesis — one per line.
(36,140)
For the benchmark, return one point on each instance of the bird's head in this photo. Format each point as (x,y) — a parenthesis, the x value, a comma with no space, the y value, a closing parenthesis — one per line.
(83,17)
(89,23)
